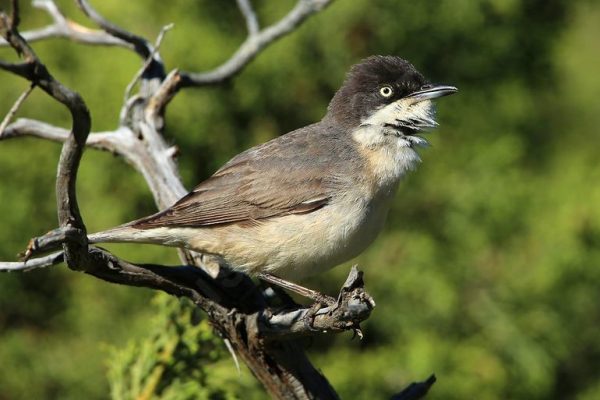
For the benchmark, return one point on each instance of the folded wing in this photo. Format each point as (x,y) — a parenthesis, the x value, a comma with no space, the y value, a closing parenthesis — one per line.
(275,179)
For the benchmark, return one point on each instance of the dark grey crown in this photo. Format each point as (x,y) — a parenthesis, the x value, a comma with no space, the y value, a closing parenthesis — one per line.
(359,95)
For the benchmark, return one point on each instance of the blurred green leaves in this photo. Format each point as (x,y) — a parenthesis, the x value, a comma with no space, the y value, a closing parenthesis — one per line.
(176,361)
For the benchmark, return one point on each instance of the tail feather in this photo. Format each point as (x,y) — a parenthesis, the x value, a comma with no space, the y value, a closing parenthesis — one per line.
(174,237)
(119,234)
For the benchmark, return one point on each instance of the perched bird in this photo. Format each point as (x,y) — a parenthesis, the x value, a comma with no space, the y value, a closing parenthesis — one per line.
(313,198)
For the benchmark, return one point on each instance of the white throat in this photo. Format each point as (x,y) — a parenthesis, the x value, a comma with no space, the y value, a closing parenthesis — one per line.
(390,152)
(388,162)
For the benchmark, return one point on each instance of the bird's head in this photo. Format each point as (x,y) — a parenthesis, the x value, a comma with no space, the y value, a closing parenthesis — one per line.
(388,100)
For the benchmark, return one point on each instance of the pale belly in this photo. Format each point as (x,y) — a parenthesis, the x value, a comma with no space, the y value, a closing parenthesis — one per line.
(296,246)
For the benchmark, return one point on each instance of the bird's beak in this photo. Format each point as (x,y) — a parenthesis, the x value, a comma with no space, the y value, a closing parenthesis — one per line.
(432,92)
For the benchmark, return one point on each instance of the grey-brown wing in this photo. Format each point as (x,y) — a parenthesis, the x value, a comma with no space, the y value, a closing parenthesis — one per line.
(252,187)
(248,202)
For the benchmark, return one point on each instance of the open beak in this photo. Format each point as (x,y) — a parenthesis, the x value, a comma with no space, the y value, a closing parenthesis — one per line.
(432,92)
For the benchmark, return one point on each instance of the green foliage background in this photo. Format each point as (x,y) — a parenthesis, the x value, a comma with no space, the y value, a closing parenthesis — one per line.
(487,273)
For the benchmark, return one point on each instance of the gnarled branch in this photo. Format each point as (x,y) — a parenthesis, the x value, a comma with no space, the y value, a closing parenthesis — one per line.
(282,368)
(262,336)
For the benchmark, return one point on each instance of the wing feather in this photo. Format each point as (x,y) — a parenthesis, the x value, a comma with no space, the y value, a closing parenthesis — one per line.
(265,182)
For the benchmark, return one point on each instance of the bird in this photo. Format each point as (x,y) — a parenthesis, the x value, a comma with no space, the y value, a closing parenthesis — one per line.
(313,198)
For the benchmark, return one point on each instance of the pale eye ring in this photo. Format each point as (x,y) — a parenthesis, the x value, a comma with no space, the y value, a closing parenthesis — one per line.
(386,91)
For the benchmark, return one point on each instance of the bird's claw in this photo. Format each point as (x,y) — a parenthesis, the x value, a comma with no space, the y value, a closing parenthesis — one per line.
(311,315)
(357,332)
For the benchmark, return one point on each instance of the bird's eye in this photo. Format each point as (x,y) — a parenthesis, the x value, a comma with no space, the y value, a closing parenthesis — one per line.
(386,91)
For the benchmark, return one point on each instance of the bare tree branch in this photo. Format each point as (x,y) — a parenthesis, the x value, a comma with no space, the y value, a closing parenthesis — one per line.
(68,210)
(108,141)
(29,127)
(252,46)
(13,110)
(153,158)
(256,332)
(140,45)
(35,263)
(353,306)
(65,28)
(250,16)
(54,240)
(142,70)
(153,71)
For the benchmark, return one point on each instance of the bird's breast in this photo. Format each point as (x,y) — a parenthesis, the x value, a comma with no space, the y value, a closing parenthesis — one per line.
(334,234)
(296,246)
(364,222)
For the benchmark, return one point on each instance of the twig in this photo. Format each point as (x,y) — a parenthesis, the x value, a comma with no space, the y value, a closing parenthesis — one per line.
(255,44)
(34,263)
(416,390)
(66,28)
(233,355)
(53,240)
(140,45)
(249,15)
(116,141)
(252,46)
(13,110)
(148,61)
(153,70)
(15,18)
(52,9)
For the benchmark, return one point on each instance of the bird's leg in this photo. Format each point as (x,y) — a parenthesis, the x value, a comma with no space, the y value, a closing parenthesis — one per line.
(301,290)
(281,294)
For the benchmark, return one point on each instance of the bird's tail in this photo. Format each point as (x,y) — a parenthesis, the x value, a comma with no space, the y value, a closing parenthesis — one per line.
(127,233)
(119,234)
